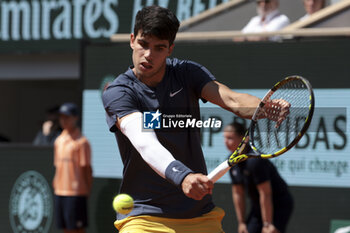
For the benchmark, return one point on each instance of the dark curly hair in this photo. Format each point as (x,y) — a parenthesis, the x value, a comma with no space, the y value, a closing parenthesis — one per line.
(157,21)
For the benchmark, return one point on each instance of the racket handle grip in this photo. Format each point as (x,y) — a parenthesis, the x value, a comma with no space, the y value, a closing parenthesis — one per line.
(219,171)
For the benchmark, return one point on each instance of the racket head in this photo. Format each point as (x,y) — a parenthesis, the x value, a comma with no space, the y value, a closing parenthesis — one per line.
(269,141)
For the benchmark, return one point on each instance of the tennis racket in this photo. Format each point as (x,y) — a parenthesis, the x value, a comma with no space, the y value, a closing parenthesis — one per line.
(278,123)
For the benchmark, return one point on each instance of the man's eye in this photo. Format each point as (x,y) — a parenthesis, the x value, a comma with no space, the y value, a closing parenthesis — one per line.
(142,44)
(160,48)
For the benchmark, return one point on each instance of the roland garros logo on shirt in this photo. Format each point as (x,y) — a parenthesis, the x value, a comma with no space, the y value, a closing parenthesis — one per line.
(30,206)
(157,120)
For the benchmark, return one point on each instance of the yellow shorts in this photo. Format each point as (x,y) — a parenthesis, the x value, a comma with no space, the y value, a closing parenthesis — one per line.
(207,223)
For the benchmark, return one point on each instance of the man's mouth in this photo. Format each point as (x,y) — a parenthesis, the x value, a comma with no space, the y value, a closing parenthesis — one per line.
(146,65)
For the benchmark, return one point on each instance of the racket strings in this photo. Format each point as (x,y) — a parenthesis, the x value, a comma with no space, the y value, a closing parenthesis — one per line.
(267,138)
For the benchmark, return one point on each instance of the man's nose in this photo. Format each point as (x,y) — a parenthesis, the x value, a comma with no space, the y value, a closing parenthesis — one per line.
(148,53)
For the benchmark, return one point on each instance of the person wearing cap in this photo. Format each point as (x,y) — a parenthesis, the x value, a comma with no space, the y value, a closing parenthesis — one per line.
(268,19)
(73,176)
(311,6)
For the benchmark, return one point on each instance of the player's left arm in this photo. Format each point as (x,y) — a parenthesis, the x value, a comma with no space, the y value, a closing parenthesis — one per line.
(244,105)
(266,206)
(241,104)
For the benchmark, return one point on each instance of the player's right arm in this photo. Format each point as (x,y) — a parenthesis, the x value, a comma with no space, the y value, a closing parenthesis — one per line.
(194,185)
(239,203)
(145,142)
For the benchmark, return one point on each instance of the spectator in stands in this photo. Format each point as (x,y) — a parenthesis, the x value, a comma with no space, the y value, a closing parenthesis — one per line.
(271,202)
(268,19)
(50,129)
(311,6)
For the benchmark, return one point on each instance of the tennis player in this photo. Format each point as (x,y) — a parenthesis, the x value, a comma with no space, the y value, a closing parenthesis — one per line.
(164,170)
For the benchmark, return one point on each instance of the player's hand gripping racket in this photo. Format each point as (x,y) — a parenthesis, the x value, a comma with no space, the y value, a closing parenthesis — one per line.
(279,122)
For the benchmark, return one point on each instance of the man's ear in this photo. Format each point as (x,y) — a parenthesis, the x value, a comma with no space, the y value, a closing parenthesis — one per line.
(171,48)
(132,39)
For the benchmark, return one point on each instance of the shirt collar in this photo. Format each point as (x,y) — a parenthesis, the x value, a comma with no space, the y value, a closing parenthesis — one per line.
(271,15)
(74,135)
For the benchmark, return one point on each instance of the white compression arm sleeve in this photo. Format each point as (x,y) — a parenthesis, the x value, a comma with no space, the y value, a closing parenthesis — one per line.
(146,143)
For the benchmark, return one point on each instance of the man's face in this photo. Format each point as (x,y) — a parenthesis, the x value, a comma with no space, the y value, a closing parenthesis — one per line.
(231,140)
(68,122)
(264,7)
(311,6)
(149,55)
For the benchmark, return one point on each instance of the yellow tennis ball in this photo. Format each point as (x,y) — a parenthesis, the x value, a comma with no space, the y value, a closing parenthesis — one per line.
(123,203)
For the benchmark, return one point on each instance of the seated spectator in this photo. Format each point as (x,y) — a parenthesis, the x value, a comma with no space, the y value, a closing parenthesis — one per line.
(50,129)
(311,6)
(268,19)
